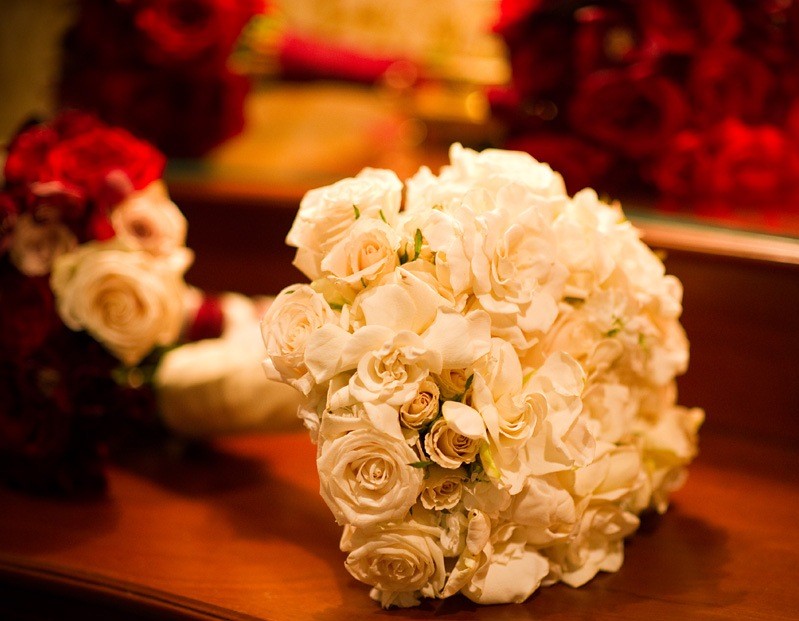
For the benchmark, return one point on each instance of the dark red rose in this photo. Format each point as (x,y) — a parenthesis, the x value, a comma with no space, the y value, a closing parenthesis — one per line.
(184,115)
(208,321)
(634,114)
(540,59)
(28,153)
(676,172)
(606,36)
(513,14)
(44,448)
(751,166)
(197,32)
(724,81)
(27,312)
(581,164)
(85,161)
(72,123)
(8,216)
(685,26)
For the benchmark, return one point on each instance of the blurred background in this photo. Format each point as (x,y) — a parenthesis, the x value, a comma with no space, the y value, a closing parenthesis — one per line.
(686,111)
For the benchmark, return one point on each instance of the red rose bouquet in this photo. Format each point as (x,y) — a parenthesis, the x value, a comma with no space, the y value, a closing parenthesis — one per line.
(93,304)
(159,68)
(696,100)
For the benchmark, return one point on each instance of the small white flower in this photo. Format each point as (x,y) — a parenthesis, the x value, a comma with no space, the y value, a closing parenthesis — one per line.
(36,245)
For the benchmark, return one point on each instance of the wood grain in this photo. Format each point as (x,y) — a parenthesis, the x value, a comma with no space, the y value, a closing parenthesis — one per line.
(241,532)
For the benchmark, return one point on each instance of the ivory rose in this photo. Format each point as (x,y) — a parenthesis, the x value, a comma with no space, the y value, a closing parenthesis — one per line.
(148,220)
(127,300)
(402,562)
(326,214)
(294,315)
(365,477)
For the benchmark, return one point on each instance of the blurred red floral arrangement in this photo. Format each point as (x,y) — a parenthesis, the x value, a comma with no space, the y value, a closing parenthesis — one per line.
(100,336)
(696,100)
(159,68)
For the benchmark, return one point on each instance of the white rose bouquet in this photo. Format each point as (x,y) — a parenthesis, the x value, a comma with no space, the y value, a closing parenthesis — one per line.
(488,374)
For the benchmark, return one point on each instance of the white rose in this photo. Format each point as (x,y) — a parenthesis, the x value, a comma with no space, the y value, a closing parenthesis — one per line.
(295,314)
(442,488)
(149,221)
(423,408)
(35,245)
(365,477)
(448,448)
(326,214)
(402,561)
(127,300)
(365,254)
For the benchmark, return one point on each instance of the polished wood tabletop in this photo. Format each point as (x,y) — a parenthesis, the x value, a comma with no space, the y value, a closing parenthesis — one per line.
(239,531)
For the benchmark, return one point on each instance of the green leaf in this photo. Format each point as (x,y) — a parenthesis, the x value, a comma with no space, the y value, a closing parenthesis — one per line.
(334,306)
(572,300)
(488,461)
(468,385)
(417,244)
(383,217)
(420,464)
(357,211)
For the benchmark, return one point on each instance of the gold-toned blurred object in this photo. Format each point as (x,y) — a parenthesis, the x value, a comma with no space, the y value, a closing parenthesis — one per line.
(446,56)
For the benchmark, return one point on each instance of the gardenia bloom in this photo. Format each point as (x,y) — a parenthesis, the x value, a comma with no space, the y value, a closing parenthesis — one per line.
(365,477)
(127,300)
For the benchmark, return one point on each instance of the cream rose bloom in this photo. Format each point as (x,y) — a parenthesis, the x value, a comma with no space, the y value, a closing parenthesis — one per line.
(295,314)
(35,245)
(127,300)
(327,214)
(450,448)
(443,488)
(365,477)
(402,561)
(423,408)
(149,221)
(365,254)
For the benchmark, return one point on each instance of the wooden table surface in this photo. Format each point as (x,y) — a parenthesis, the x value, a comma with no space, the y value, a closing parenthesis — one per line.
(242,533)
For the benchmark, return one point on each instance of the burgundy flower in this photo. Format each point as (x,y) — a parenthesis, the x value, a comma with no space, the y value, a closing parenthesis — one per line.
(199,32)
(724,82)
(27,312)
(581,164)
(676,172)
(27,154)
(84,162)
(634,114)
(751,166)
(8,215)
(685,26)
